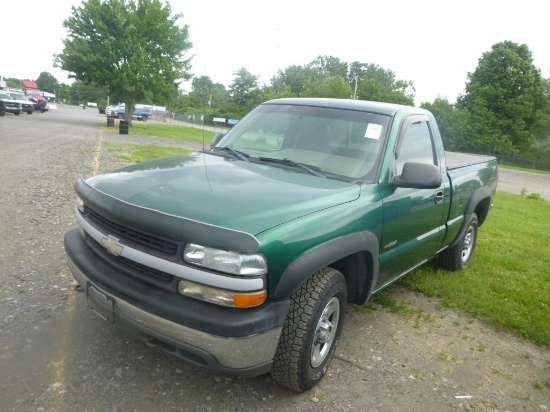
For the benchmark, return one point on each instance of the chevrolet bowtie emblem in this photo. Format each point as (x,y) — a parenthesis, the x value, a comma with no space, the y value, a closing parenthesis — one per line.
(110,243)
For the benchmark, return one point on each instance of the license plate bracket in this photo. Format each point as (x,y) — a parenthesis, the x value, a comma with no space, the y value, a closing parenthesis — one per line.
(102,305)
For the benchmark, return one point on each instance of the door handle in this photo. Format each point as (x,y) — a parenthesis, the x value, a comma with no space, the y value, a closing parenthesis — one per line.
(439,197)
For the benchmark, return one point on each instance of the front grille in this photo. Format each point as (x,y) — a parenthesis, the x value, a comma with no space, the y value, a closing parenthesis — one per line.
(158,244)
(136,270)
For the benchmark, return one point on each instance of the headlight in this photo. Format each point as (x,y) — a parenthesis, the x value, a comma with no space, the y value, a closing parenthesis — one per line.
(79,204)
(253,264)
(221,296)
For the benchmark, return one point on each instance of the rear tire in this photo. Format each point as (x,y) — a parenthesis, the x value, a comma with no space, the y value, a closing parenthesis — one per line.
(311,331)
(460,255)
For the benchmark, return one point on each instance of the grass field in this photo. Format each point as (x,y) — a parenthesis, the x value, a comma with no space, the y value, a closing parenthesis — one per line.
(139,153)
(508,281)
(168,131)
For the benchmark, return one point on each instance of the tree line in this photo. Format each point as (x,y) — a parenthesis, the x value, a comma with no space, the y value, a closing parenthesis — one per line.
(111,51)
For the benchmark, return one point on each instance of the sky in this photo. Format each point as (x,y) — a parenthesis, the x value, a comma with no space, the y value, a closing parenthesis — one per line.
(433,44)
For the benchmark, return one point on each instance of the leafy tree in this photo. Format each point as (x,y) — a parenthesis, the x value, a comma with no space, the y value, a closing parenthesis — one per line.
(13,82)
(134,47)
(294,79)
(202,87)
(88,92)
(329,86)
(331,65)
(244,91)
(219,96)
(283,90)
(64,93)
(372,82)
(505,96)
(46,82)
(453,123)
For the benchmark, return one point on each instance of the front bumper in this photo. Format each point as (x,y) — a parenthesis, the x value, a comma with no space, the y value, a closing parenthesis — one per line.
(236,341)
(12,109)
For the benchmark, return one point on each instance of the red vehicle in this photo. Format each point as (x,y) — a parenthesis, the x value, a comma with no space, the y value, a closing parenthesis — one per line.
(34,93)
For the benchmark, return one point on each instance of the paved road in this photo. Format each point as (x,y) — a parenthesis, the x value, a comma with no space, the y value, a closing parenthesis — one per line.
(55,355)
(520,182)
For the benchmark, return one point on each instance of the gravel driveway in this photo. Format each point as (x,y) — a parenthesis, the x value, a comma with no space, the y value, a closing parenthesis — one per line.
(56,355)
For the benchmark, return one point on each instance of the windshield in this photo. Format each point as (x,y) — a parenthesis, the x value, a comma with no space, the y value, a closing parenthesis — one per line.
(5,96)
(18,96)
(345,143)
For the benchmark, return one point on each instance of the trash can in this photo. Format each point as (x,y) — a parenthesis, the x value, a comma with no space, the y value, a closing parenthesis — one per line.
(110,121)
(123,127)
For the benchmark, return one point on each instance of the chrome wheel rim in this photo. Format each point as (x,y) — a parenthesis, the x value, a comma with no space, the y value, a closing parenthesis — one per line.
(468,244)
(325,332)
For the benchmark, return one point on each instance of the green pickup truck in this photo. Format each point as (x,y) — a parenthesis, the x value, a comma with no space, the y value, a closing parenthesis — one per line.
(242,258)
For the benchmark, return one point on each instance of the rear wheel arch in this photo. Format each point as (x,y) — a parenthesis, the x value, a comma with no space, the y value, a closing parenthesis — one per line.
(481,210)
(480,203)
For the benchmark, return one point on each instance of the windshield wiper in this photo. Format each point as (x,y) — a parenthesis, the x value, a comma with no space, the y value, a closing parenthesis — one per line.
(286,161)
(238,154)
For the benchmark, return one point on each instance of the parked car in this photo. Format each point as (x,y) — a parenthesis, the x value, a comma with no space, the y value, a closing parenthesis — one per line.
(10,104)
(27,106)
(141,112)
(2,108)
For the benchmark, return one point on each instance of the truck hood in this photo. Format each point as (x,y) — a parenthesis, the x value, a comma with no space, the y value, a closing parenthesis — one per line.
(235,194)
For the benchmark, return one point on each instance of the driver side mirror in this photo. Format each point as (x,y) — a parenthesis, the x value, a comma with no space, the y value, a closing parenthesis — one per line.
(216,139)
(418,176)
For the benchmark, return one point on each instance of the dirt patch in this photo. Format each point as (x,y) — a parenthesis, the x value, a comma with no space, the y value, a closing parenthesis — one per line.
(427,357)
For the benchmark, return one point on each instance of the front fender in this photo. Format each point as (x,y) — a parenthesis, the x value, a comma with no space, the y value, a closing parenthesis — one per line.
(326,254)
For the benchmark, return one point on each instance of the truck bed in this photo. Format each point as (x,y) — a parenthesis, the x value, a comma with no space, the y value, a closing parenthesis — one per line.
(456,160)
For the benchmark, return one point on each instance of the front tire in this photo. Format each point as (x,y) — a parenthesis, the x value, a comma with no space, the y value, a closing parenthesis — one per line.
(460,255)
(311,331)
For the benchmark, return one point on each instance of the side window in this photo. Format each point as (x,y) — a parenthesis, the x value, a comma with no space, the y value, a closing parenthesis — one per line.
(415,146)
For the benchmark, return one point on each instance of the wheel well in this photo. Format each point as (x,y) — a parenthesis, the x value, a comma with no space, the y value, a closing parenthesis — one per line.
(358,269)
(482,210)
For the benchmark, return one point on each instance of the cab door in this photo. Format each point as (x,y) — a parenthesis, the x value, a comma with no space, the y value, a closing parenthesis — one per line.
(413,218)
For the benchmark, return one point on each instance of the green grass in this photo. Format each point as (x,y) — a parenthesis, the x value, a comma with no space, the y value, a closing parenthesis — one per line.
(168,131)
(508,281)
(138,153)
